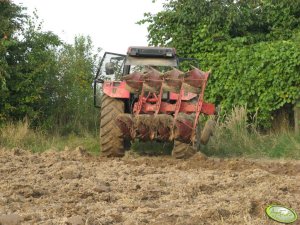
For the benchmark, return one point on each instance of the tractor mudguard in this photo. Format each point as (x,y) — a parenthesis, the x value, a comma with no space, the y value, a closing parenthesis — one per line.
(116,89)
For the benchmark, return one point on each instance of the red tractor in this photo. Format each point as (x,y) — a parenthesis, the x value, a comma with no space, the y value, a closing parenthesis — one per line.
(145,96)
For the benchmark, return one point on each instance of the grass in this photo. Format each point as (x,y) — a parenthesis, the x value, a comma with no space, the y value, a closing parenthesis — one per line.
(234,136)
(20,135)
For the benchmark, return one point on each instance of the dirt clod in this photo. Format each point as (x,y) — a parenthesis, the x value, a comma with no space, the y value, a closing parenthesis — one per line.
(18,151)
(75,220)
(101,188)
(70,172)
(10,219)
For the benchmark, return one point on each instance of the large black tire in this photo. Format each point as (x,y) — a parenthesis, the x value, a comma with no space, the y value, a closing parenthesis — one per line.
(182,150)
(111,140)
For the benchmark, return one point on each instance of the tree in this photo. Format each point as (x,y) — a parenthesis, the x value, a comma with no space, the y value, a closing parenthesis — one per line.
(251,46)
(71,108)
(42,78)
(30,61)
(11,20)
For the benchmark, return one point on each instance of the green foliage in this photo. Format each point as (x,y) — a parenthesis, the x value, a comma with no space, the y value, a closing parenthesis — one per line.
(42,78)
(11,18)
(31,61)
(252,48)
(264,76)
(71,107)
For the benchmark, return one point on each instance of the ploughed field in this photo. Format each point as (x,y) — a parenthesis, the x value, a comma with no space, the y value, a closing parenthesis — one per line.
(73,187)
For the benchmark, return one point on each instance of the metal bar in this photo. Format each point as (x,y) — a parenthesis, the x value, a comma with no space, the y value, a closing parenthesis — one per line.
(199,107)
(178,104)
(139,104)
(158,103)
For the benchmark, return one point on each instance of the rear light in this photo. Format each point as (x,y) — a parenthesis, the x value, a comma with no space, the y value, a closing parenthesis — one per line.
(132,51)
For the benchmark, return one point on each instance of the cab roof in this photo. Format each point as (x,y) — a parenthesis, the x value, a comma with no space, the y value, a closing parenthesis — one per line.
(159,52)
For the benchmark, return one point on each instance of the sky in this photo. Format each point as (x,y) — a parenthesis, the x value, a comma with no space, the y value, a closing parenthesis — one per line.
(110,23)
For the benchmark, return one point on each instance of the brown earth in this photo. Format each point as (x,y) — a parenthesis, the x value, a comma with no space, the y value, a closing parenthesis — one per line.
(72,187)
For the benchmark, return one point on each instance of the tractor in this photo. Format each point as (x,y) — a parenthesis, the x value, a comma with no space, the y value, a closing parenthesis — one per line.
(144,95)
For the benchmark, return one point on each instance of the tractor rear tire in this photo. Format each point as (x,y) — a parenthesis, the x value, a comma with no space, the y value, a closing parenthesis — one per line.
(111,140)
(182,150)
(207,131)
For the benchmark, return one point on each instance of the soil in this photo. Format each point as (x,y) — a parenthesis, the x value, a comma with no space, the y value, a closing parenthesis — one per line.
(73,187)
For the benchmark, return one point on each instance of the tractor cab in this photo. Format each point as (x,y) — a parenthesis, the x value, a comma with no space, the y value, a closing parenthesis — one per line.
(113,65)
